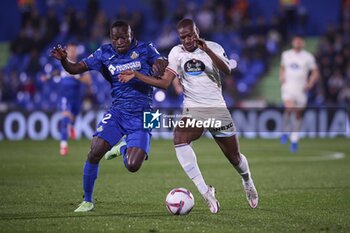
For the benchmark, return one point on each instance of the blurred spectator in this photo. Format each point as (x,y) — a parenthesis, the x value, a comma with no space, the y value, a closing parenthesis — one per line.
(22,44)
(289,9)
(100,27)
(167,39)
(180,11)
(335,84)
(205,18)
(238,12)
(25,7)
(344,95)
(160,9)
(334,59)
(92,10)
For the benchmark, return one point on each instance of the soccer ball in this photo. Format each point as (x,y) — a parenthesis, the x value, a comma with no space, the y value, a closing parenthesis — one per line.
(179,201)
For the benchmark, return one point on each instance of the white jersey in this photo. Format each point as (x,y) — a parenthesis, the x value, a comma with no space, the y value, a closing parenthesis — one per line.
(198,75)
(297,66)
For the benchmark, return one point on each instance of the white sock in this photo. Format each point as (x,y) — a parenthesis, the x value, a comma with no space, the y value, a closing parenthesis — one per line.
(243,168)
(188,161)
(286,122)
(63,143)
(294,136)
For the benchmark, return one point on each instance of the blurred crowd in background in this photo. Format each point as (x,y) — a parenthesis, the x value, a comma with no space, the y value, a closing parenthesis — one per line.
(333,57)
(252,40)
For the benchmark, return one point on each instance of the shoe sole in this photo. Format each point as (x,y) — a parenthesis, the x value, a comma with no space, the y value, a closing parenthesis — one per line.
(79,211)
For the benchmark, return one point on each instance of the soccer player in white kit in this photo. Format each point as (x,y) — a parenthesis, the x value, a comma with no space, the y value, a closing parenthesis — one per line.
(198,64)
(296,81)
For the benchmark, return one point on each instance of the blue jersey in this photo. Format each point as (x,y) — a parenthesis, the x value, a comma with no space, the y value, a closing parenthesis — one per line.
(133,96)
(69,89)
(69,86)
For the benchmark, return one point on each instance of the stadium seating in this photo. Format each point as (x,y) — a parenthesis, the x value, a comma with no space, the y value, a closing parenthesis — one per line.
(250,37)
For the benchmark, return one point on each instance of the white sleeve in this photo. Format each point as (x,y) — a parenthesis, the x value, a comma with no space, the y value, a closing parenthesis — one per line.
(220,52)
(283,59)
(173,60)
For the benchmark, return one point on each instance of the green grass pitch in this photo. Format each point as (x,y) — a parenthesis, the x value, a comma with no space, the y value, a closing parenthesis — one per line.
(304,192)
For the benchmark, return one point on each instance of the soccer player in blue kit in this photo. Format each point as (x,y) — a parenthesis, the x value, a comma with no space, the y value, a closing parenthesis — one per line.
(70,90)
(129,101)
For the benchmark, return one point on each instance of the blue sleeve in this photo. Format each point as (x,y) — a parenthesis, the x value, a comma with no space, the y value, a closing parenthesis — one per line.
(94,61)
(153,53)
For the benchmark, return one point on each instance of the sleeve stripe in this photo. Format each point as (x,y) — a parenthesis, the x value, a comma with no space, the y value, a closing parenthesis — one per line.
(172,71)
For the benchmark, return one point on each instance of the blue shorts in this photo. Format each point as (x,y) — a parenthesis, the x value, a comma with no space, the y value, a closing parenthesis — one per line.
(70,105)
(117,123)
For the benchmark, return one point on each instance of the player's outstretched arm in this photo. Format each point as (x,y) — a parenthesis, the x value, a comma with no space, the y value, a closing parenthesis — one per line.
(71,67)
(163,82)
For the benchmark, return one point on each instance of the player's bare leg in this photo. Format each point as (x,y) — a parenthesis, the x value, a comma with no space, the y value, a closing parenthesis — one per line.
(230,147)
(188,160)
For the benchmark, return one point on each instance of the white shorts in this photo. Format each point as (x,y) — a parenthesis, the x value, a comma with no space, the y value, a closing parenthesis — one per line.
(217,120)
(299,98)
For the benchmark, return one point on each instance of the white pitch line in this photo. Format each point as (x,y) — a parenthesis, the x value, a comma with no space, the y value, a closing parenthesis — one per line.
(325,156)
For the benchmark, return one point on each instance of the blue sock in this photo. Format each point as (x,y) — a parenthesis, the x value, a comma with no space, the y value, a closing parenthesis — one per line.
(65,121)
(90,175)
(125,157)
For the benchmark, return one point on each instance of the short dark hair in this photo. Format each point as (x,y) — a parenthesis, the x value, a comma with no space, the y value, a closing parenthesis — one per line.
(184,23)
(120,23)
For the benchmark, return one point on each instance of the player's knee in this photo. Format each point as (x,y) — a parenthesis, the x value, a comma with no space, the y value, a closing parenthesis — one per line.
(176,141)
(94,155)
(179,139)
(98,149)
(133,166)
